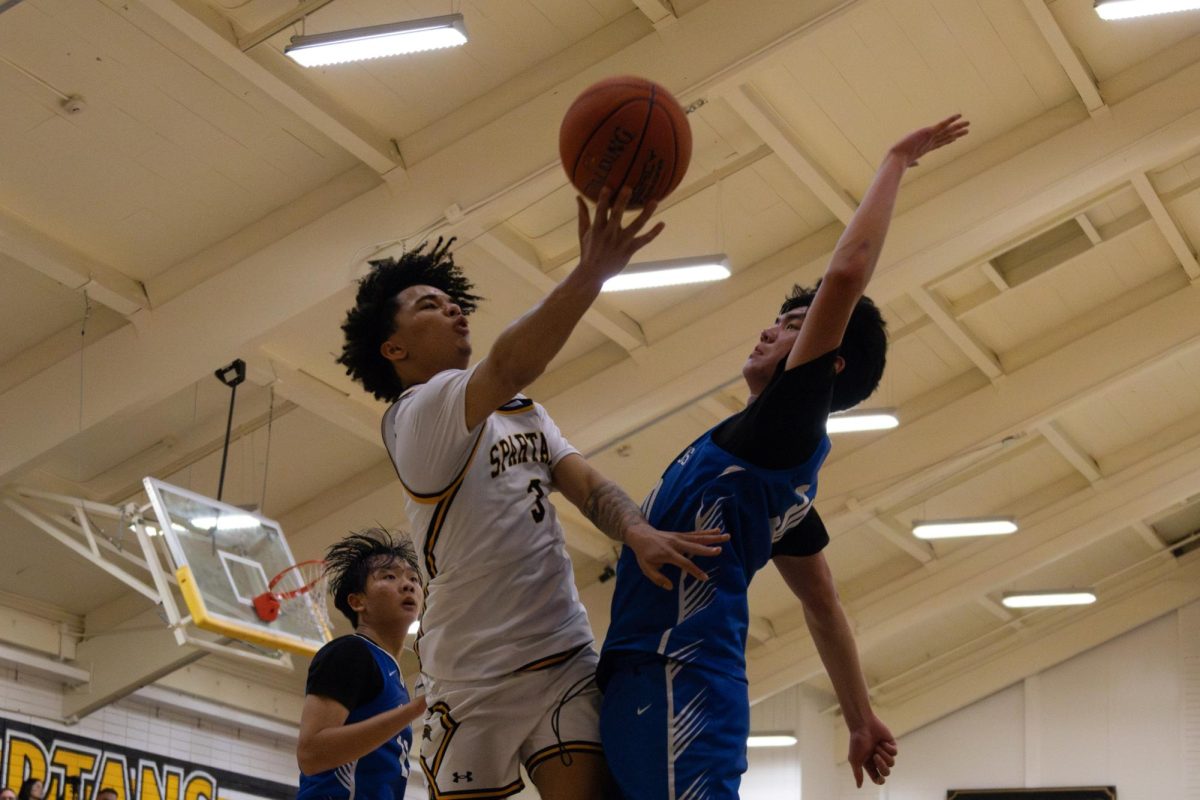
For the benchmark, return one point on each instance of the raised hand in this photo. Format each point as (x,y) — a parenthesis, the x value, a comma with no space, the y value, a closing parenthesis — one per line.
(605,247)
(873,749)
(655,549)
(912,147)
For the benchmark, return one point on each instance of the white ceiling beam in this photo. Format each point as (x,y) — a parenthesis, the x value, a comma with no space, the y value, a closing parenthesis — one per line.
(123,660)
(1066,527)
(231,709)
(756,111)
(659,12)
(40,665)
(612,323)
(62,264)
(1147,535)
(983,358)
(358,414)
(284,20)
(1075,455)
(1041,648)
(1166,225)
(1077,70)
(992,274)
(367,147)
(995,609)
(207,679)
(338,498)
(903,540)
(1089,230)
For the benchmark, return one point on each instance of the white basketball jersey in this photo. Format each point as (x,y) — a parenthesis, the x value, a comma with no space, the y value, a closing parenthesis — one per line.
(501,593)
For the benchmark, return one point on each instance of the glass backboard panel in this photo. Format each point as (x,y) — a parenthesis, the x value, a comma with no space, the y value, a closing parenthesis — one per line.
(223,557)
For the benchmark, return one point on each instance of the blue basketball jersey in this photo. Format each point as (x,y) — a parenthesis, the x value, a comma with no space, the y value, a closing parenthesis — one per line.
(705,622)
(381,774)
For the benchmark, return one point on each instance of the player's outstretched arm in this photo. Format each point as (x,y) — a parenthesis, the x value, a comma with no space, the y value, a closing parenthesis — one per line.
(872,746)
(326,741)
(858,249)
(521,353)
(612,511)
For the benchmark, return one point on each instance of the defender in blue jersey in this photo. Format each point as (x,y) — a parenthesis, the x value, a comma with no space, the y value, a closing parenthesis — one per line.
(675,713)
(355,732)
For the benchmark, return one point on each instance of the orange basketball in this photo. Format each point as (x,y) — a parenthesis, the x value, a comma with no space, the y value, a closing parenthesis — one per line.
(625,131)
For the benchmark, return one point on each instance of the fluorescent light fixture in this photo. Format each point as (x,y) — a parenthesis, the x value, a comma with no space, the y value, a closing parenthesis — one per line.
(770,740)
(377,41)
(1127,9)
(229,522)
(1062,597)
(951,528)
(879,419)
(675,272)
(416,626)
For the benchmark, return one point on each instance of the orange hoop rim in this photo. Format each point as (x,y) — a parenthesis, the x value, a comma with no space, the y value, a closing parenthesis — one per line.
(308,586)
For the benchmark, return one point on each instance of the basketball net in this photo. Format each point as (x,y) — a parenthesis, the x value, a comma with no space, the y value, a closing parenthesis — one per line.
(299,589)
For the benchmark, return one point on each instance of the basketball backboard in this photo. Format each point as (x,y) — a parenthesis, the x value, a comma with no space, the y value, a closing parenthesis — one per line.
(223,557)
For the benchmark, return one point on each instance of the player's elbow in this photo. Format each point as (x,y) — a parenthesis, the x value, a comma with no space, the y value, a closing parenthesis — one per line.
(850,267)
(308,758)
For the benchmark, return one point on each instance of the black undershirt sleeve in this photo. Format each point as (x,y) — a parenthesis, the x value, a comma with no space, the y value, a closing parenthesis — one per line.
(784,425)
(344,670)
(807,538)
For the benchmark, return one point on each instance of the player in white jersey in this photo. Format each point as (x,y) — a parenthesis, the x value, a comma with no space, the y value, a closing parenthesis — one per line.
(505,646)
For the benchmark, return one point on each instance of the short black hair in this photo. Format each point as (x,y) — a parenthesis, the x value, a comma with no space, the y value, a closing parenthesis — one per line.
(864,348)
(373,318)
(107,790)
(26,790)
(350,561)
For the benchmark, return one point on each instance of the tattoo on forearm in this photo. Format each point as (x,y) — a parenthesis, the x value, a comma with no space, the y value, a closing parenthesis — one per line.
(611,510)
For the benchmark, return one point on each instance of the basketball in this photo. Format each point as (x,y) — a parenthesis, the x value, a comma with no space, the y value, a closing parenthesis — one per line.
(625,131)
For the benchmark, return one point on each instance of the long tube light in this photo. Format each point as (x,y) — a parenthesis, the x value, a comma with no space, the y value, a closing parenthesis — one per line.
(770,740)
(1045,598)
(378,41)
(879,419)
(673,272)
(951,528)
(1128,9)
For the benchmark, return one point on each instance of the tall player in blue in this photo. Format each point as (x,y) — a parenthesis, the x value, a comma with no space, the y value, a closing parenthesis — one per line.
(676,713)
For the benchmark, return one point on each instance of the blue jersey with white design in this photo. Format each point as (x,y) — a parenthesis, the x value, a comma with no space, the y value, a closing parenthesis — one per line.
(381,774)
(705,622)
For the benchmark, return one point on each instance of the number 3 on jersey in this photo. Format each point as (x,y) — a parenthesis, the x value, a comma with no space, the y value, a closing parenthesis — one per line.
(539,510)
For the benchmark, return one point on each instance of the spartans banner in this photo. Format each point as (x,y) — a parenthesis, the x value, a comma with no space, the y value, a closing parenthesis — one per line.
(74,767)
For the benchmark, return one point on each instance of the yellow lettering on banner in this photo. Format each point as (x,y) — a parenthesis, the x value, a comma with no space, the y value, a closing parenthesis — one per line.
(200,786)
(27,758)
(153,786)
(72,763)
(114,774)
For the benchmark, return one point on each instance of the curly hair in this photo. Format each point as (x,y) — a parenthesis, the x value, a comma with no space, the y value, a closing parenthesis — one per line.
(348,563)
(373,318)
(863,348)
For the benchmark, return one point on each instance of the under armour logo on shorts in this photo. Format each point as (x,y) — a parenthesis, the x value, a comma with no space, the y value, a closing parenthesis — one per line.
(465,776)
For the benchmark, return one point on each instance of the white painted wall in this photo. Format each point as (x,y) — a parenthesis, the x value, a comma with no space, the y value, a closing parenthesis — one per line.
(1126,713)
(38,701)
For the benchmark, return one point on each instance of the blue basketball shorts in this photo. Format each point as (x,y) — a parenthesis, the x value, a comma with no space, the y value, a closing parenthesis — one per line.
(674,731)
